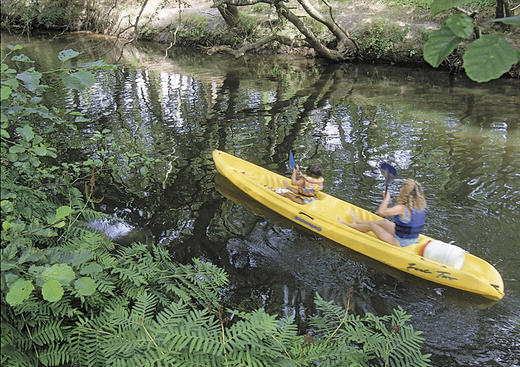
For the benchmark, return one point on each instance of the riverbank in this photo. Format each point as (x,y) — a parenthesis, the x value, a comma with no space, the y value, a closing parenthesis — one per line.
(384,31)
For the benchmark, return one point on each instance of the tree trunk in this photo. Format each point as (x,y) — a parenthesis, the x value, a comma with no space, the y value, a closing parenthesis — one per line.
(230,14)
(503,9)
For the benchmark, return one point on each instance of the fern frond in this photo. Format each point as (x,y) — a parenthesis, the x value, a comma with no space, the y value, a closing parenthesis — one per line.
(47,333)
(56,355)
(144,307)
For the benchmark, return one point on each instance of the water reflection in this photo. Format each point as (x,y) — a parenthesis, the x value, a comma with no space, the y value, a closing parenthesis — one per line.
(460,139)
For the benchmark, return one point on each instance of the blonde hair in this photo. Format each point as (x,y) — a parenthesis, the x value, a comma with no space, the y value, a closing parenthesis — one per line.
(412,195)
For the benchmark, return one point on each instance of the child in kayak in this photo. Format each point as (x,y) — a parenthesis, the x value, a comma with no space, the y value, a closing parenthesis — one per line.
(409,217)
(308,184)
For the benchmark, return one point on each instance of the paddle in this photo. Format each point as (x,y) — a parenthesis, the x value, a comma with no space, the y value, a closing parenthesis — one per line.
(389,172)
(292,163)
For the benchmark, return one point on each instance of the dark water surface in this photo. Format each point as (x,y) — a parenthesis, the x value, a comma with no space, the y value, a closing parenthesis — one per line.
(166,115)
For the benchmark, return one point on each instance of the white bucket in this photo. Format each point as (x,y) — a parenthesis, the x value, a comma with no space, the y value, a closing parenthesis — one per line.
(445,253)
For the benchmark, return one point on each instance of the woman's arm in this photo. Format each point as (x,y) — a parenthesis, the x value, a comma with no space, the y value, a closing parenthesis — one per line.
(386,211)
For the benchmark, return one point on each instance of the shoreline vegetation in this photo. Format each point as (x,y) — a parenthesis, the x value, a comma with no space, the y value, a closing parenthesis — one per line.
(385,31)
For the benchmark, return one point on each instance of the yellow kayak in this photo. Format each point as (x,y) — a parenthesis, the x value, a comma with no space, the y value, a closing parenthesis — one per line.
(428,259)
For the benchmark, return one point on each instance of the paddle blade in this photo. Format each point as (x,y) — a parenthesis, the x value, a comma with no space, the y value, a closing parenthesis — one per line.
(388,171)
(292,163)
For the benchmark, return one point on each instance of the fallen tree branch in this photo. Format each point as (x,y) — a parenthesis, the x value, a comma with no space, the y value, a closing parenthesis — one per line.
(248,46)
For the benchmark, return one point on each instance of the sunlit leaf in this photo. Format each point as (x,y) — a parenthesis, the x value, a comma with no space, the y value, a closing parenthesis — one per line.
(60,272)
(441,5)
(79,80)
(59,224)
(15,47)
(30,78)
(25,132)
(19,292)
(41,151)
(460,24)
(63,212)
(488,58)
(85,286)
(7,206)
(52,290)
(440,44)
(21,58)
(509,20)
(6,92)
(65,55)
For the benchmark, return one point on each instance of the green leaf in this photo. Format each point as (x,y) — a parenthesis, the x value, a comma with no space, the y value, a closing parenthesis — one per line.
(6,92)
(7,206)
(41,151)
(81,257)
(488,58)
(59,224)
(19,292)
(21,58)
(440,44)
(91,269)
(30,78)
(509,20)
(63,212)
(5,266)
(35,162)
(79,80)
(52,290)
(68,54)
(15,47)
(16,149)
(460,24)
(26,132)
(85,286)
(12,83)
(441,5)
(60,272)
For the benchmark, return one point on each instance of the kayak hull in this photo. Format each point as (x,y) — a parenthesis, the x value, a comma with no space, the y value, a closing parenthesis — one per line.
(321,216)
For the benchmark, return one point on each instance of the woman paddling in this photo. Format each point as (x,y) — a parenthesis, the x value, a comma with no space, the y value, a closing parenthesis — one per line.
(409,217)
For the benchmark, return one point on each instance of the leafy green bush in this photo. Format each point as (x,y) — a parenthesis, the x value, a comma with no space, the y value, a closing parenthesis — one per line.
(50,14)
(485,58)
(71,297)
(379,38)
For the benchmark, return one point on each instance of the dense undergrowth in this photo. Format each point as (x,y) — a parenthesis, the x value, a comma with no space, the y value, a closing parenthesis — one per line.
(72,297)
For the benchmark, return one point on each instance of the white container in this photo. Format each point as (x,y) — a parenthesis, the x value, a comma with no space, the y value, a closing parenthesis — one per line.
(445,253)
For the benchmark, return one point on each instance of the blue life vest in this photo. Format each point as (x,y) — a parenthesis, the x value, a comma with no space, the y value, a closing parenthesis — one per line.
(413,227)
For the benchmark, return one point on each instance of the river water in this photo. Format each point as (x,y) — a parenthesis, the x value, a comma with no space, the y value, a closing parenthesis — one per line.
(165,115)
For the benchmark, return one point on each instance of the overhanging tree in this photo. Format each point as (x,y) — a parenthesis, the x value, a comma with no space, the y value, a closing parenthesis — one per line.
(342,48)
